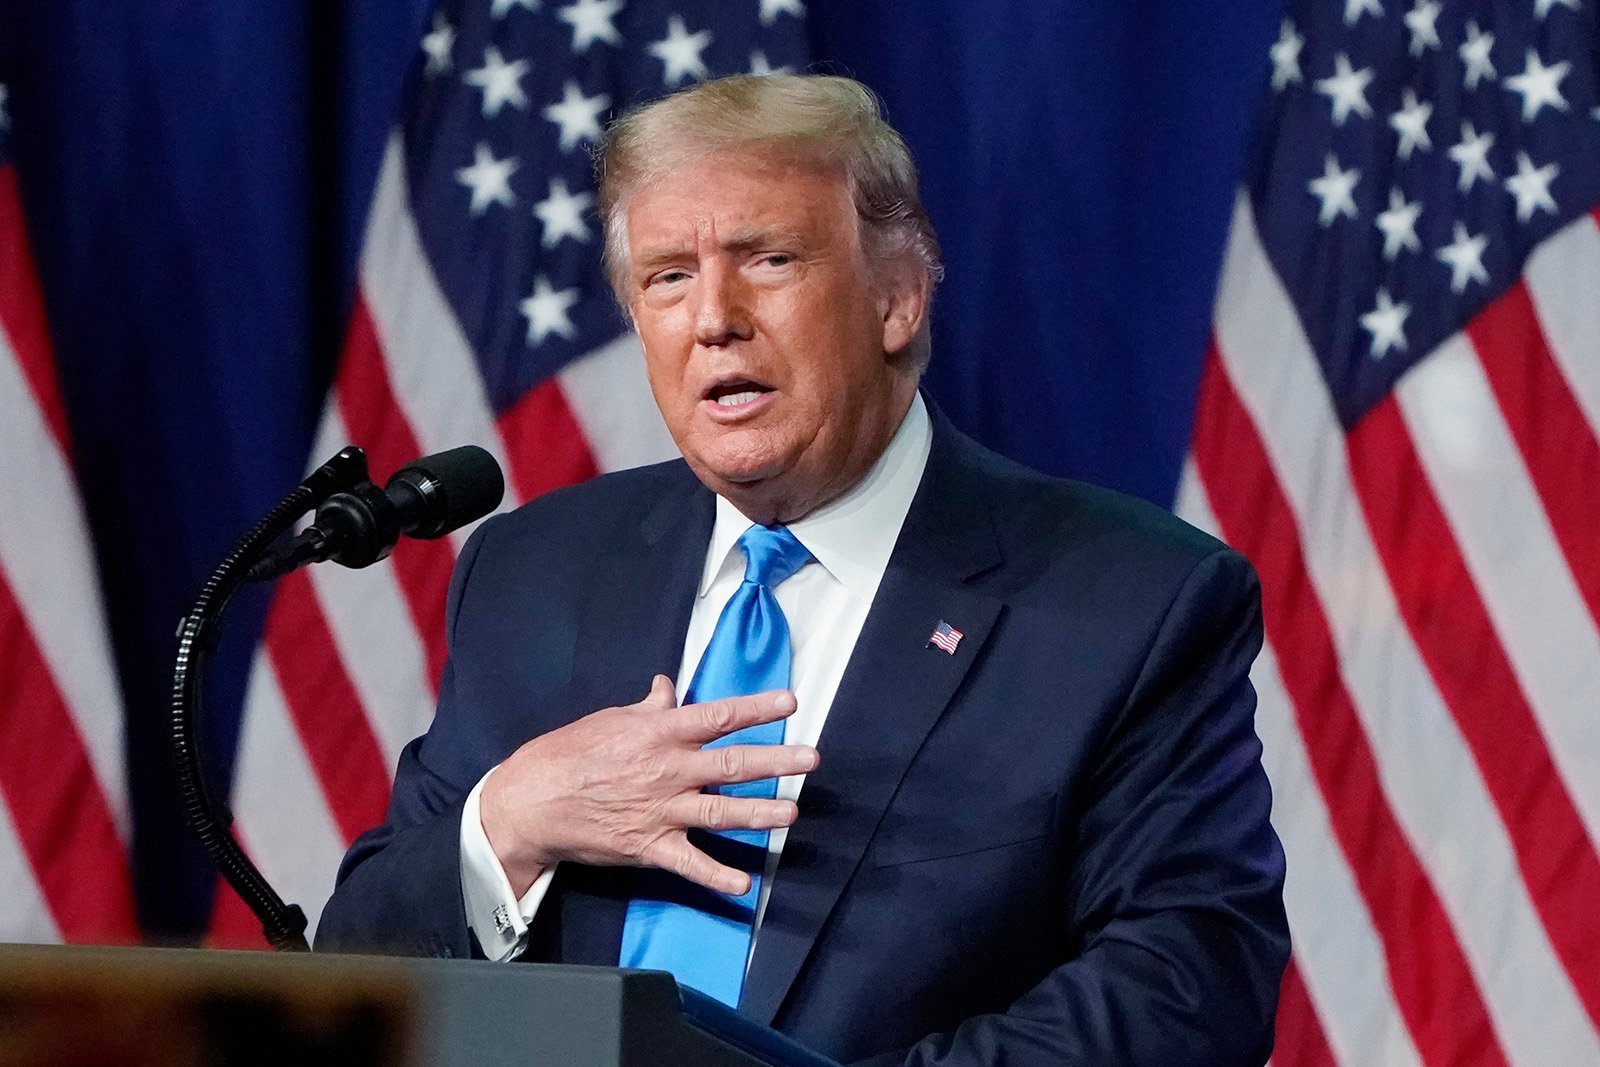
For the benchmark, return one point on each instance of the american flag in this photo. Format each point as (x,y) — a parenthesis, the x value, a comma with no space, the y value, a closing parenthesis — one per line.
(946,637)
(482,317)
(1397,424)
(64,871)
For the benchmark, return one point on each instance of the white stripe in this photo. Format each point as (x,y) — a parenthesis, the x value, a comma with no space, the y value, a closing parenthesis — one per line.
(432,370)
(1426,769)
(374,634)
(24,916)
(1563,275)
(610,396)
(1336,948)
(1478,475)
(50,566)
(283,815)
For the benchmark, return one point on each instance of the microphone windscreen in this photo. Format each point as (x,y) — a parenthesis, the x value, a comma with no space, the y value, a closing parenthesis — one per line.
(451,489)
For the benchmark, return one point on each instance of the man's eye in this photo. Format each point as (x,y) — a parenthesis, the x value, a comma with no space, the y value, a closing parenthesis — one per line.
(667,277)
(777,259)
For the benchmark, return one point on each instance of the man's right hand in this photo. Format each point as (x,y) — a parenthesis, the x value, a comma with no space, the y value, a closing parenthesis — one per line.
(623,786)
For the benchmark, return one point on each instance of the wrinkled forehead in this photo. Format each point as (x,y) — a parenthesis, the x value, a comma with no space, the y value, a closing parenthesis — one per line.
(737,196)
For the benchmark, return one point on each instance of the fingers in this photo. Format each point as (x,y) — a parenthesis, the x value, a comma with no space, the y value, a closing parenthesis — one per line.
(749,763)
(713,811)
(700,723)
(677,855)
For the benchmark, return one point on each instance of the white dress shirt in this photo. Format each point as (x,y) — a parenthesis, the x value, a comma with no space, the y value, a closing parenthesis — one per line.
(825,603)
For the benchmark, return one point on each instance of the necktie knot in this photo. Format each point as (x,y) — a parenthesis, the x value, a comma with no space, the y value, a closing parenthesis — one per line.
(772,555)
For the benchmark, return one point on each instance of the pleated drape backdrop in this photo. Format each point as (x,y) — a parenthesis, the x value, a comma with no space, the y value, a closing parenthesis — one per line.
(1321,275)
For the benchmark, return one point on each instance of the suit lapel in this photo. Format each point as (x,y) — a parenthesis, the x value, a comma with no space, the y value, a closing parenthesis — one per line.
(893,692)
(633,628)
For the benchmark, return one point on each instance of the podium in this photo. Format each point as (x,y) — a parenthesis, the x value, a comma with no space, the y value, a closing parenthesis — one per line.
(136,1006)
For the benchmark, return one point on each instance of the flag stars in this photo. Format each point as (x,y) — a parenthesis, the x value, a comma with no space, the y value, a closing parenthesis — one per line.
(577,115)
(1399,225)
(546,311)
(489,179)
(1542,8)
(1354,9)
(1464,257)
(1531,186)
(1539,86)
(439,43)
(679,52)
(591,21)
(1335,189)
(1472,156)
(1346,89)
(1411,123)
(501,82)
(561,214)
(1474,53)
(1422,20)
(1386,323)
(760,67)
(5,116)
(1285,54)
(771,9)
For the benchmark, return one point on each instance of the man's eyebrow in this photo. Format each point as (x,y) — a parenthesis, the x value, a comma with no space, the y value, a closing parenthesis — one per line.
(753,237)
(660,255)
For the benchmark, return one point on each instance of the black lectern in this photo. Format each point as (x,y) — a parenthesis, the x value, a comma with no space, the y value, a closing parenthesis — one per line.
(158,1006)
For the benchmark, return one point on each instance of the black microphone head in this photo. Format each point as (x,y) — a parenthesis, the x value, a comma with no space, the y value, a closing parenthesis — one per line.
(445,491)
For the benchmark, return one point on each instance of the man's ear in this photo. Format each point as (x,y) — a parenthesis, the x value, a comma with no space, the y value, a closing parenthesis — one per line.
(903,307)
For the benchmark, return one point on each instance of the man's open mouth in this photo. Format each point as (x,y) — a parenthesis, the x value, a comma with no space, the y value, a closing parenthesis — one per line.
(732,392)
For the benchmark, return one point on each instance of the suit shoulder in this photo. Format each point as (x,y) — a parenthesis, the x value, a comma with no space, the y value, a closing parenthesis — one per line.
(591,505)
(1078,511)
(1065,526)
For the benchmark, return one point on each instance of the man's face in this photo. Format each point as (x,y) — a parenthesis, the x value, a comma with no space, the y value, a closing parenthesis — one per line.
(778,360)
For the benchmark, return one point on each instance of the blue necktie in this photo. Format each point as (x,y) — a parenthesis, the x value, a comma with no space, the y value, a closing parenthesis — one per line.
(701,936)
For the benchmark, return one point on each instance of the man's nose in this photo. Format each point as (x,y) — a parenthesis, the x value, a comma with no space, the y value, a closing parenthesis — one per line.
(724,312)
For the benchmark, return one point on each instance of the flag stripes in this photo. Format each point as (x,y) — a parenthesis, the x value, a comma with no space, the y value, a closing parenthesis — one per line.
(1572,326)
(1526,587)
(318,694)
(22,313)
(1556,443)
(1445,613)
(62,781)
(1405,566)
(62,820)
(1432,982)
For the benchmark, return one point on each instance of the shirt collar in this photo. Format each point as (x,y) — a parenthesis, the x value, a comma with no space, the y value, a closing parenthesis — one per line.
(854,535)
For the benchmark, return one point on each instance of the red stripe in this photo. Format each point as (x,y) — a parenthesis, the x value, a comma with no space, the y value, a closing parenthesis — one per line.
(378,424)
(327,713)
(1301,1042)
(1557,443)
(233,924)
(22,312)
(62,817)
(1428,973)
(1451,628)
(545,446)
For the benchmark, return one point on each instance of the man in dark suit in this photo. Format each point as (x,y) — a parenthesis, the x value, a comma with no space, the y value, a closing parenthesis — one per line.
(1017,813)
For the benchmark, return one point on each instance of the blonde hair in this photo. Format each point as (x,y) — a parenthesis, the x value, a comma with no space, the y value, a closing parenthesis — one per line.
(836,121)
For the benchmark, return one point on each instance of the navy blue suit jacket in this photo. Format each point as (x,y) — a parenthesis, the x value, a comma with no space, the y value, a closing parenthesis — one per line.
(1049,847)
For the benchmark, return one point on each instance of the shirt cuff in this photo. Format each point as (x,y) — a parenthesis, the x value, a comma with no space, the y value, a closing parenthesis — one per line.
(497,916)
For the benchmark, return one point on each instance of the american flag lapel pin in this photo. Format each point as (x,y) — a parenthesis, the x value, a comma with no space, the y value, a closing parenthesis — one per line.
(945,636)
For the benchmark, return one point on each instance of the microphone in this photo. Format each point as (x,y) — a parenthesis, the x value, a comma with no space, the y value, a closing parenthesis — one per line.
(426,498)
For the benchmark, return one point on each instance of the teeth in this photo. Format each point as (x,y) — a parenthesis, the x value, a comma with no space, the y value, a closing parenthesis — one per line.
(731,400)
